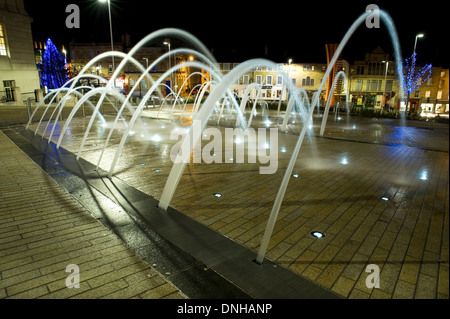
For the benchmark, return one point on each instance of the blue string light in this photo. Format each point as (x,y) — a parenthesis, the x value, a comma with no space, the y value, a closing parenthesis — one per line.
(52,69)
(415,78)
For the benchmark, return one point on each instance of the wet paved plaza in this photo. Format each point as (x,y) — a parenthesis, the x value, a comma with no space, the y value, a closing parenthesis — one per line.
(337,188)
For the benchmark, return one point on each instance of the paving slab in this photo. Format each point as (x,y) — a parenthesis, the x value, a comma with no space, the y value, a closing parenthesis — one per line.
(342,178)
(45,234)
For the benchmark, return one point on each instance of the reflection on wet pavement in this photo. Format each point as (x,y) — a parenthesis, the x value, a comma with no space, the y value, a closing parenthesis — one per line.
(341,180)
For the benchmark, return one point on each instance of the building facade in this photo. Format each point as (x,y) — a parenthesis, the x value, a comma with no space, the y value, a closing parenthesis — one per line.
(373,82)
(433,95)
(19,77)
(82,53)
(307,76)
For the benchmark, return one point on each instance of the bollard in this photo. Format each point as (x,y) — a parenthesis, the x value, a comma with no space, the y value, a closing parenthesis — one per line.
(29,108)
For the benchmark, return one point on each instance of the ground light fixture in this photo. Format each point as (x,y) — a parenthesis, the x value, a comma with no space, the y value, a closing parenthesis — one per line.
(384,198)
(157,170)
(217,195)
(156,138)
(317,234)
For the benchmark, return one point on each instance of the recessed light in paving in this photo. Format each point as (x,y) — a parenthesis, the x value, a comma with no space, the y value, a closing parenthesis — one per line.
(424,175)
(157,170)
(156,138)
(318,234)
(217,194)
(295,175)
(142,164)
(385,198)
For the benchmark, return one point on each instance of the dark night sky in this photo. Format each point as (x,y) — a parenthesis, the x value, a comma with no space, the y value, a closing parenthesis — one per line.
(240,30)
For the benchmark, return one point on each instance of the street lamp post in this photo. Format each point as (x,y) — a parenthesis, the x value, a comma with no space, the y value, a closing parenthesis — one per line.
(110,31)
(420,35)
(415,41)
(385,78)
(289,79)
(65,57)
(170,66)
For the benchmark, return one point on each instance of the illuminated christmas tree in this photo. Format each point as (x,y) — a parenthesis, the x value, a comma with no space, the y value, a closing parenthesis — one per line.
(413,77)
(52,69)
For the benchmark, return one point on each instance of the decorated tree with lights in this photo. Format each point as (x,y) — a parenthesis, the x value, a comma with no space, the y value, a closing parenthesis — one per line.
(52,69)
(413,77)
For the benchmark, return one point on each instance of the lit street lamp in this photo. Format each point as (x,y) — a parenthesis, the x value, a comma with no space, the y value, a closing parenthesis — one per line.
(415,42)
(289,68)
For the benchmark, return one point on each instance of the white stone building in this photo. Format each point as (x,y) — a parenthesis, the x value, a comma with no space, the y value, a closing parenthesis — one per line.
(19,77)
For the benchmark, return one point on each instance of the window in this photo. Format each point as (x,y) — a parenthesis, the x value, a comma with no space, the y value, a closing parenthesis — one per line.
(269,80)
(258,79)
(110,68)
(359,85)
(9,83)
(308,81)
(3,47)
(245,79)
(375,68)
(279,80)
(360,69)
(439,95)
(374,85)
(441,84)
(389,84)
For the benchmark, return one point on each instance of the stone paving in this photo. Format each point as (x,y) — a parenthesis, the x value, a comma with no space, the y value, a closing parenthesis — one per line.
(342,178)
(43,230)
